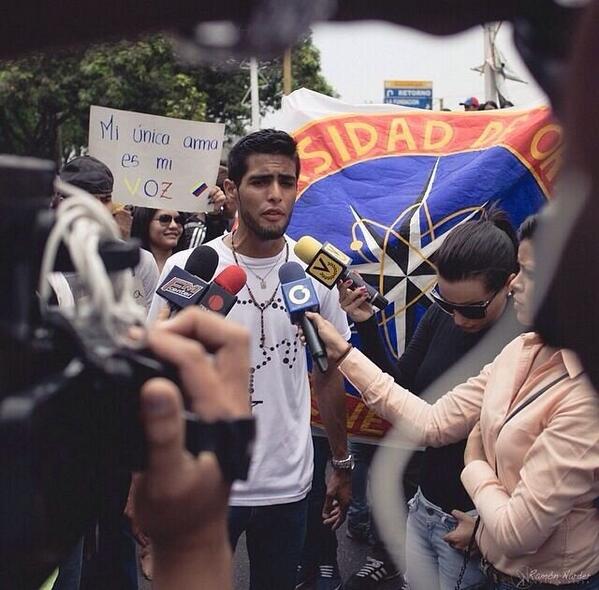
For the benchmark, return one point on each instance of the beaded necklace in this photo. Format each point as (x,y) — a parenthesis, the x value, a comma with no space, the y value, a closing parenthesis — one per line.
(261,307)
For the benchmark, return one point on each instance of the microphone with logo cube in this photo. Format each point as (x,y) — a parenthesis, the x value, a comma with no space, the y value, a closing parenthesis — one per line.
(327,264)
(184,287)
(300,296)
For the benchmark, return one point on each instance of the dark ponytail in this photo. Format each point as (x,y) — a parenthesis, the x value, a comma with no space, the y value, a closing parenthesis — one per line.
(485,248)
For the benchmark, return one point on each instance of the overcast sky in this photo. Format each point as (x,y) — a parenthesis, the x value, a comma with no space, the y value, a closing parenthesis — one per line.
(357,58)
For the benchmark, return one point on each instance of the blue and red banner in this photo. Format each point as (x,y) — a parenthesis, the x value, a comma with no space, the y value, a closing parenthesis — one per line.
(386,185)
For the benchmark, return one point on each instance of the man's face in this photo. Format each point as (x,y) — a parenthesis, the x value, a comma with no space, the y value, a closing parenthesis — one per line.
(105,199)
(266,194)
(470,107)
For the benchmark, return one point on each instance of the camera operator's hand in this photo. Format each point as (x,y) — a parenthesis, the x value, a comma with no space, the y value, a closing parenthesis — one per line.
(181,501)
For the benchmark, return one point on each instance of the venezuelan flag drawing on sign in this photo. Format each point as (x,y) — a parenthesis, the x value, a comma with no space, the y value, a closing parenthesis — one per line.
(386,185)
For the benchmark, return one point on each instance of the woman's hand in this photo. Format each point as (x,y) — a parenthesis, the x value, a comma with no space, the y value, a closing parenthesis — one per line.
(460,537)
(354,302)
(475,450)
(336,344)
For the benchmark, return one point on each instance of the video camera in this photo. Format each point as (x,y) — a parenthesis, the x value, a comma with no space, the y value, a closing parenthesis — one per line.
(69,392)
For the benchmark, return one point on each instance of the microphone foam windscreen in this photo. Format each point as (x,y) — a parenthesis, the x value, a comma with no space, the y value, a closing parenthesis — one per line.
(306,248)
(232,279)
(202,262)
(291,271)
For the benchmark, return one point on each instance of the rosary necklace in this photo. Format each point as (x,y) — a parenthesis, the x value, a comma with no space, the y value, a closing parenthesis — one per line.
(261,307)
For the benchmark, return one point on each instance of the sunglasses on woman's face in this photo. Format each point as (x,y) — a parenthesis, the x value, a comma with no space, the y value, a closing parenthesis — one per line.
(166,219)
(472,311)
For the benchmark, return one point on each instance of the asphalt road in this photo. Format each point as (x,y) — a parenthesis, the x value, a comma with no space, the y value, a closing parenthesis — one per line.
(351,555)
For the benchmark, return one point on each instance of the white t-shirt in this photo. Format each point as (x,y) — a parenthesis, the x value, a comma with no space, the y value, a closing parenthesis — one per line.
(281,470)
(145,282)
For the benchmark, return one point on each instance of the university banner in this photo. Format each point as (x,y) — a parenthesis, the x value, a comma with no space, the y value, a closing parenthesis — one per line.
(387,184)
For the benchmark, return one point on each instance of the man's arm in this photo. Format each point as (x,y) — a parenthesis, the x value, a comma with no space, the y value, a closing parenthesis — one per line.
(329,390)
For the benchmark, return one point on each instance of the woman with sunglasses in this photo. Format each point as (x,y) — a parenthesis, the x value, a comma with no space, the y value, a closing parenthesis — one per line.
(532,455)
(475,265)
(159,231)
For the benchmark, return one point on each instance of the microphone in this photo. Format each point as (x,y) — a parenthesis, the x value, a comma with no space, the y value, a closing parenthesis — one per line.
(183,287)
(300,296)
(328,264)
(220,296)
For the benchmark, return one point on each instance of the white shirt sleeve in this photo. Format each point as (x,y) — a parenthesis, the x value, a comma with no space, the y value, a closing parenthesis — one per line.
(147,273)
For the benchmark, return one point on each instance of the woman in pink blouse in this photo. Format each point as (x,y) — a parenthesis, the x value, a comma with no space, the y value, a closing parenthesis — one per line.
(532,458)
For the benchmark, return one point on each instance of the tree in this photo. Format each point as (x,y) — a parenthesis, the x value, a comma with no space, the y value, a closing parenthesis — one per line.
(45,100)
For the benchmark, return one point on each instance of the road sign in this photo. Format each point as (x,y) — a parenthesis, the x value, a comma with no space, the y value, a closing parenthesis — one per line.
(409,93)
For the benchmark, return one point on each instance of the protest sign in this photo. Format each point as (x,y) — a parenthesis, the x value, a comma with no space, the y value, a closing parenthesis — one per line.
(157,162)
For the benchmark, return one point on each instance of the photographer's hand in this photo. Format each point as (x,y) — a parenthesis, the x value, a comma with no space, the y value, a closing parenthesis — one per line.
(181,501)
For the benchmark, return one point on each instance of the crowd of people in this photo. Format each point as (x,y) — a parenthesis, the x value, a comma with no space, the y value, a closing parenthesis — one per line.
(502,496)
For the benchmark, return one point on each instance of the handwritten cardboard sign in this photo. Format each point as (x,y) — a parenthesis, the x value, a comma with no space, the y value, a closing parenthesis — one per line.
(157,162)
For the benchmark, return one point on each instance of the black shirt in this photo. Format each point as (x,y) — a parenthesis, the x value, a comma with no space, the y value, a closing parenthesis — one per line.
(435,346)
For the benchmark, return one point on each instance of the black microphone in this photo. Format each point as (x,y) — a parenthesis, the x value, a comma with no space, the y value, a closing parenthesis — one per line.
(300,296)
(184,287)
(328,264)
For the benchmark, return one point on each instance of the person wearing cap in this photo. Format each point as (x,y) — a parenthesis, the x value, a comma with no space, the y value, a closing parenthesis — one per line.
(114,563)
(95,177)
(471,104)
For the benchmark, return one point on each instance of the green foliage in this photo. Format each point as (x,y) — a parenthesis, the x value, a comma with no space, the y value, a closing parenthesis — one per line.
(45,99)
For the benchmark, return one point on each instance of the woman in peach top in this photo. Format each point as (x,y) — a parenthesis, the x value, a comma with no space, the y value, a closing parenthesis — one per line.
(532,458)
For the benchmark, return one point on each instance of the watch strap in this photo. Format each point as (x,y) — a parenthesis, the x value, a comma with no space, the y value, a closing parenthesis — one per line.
(230,440)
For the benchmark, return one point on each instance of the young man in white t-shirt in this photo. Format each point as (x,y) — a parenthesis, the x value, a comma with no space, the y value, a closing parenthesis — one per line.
(271,507)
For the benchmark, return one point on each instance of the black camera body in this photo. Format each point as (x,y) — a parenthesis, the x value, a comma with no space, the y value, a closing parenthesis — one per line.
(70,430)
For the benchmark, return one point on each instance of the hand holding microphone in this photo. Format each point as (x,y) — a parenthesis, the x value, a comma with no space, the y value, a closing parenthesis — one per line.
(185,287)
(328,265)
(300,296)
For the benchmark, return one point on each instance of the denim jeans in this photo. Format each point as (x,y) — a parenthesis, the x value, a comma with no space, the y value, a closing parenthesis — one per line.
(320,547)
(432,564)
(358,513)
(275,538)
(69,570)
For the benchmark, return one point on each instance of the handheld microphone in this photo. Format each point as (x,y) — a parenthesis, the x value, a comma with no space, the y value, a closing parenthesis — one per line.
(183,287)
(300,296)
(220,296)
(328,264)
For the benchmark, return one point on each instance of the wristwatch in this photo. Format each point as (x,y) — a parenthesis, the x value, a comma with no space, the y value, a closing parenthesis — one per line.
(347,463)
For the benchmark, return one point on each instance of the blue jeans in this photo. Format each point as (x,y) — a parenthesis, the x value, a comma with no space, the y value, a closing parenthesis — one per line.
(431,563)
(320,547)
(275,538)
(358,513)
(69,570)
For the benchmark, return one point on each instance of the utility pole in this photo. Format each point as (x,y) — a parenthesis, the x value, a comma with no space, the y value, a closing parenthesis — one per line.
(254,94)
(287,81)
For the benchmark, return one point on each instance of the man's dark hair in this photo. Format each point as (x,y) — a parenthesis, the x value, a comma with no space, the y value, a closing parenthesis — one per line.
(265,141)
(528,227)
(485,248)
